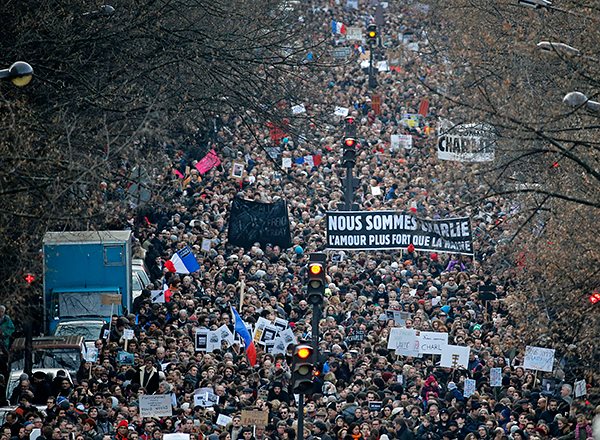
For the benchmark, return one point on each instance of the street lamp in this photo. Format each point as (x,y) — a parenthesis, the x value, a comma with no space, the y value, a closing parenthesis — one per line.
(103,11)
(20,73)
(536,4)
(563,49)
(550,46)
(578,99)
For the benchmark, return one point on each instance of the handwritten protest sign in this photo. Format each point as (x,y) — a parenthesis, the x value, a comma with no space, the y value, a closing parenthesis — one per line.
(255,417)
(404,341)
(538,358)
(128,334)
(432,342)
(158,405)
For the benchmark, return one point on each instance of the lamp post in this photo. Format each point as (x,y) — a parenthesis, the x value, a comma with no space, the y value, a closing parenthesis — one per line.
(563,49)
(578,99)
(19,73)
(103,11)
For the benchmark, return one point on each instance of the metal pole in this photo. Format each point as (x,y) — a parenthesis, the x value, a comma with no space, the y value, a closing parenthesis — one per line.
(349,188)
(316,318)
(371,50)
(300,435)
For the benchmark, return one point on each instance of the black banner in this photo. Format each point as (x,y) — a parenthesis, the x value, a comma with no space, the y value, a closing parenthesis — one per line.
(251,222)
(395,230)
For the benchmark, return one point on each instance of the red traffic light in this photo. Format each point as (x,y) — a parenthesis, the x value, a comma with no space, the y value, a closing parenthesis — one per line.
(349,142)
(349,120)
(29,278)
(595,298)
(304,352)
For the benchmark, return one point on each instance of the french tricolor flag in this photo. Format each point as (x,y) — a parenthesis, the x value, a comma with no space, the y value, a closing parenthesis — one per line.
(183,261)
(337,27)
(240,329)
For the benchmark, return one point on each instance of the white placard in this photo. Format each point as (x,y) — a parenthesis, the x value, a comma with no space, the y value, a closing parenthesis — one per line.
(354,33)
(382,66)
(538,358)
(157,296)
(496,377)
(580,388)
(206,244)
(404,341)
(224,420)
(226,335)
(298,109)
(432,342)
(176,436)
(158,405)
(470,387)
(128,334)
(376,190)
(279,346)
(259,327)
(341,111)
(406,141)
(213,341)
(286,162)
(455,356)
(308,160)
(288,337)
(206,399)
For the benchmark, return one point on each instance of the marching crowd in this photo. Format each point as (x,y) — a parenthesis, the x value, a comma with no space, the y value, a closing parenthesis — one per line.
(366,391)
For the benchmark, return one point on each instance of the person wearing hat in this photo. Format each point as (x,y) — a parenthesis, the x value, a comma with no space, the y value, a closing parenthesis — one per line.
(122,431)
(89,430)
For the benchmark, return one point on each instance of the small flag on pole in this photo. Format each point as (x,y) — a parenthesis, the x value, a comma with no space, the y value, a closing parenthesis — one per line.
(240,329)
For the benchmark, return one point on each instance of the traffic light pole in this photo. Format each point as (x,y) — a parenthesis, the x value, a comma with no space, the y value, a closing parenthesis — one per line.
(349,187)
(300,435)
(372,82)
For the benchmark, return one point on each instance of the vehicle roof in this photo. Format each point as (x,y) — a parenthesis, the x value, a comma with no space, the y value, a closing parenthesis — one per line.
(76,237)
(47,342)
(81,321)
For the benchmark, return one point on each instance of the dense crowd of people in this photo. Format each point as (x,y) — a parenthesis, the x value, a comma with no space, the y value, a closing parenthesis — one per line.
(366,391)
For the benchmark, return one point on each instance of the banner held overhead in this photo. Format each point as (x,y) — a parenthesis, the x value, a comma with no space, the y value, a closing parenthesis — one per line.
(395,230)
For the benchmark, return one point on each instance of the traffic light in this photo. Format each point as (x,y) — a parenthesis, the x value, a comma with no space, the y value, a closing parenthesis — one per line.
(349,142)
(595,298)
(302,369)
(29,278)
(316,283)
(372,34)
(349,127)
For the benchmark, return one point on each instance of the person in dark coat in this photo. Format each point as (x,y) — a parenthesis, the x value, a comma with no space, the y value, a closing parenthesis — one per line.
(147,376)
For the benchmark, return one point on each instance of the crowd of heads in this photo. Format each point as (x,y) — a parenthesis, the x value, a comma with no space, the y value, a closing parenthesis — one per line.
(366,391)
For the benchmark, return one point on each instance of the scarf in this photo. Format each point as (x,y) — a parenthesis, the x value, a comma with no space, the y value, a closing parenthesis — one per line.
(588,431)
